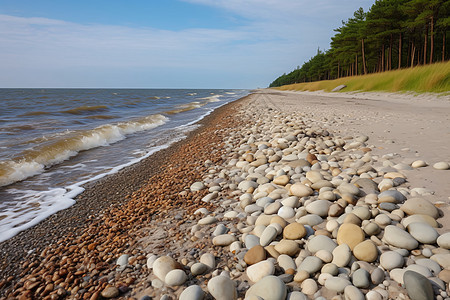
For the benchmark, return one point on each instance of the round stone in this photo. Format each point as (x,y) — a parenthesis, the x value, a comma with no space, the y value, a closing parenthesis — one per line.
(444,240)
(294,231)
(296,295)
(309,286)
(281,180)
(255,255)
(418,286)
(209,260)
(260,270)
(391,260)
(366,251)
(110,292)
(197,186)
(377,276)
(362,212)
(285,262)
(268,235)
(337,284)
(288,247)
(164,265)
(442,165)
(320,242)
(193,292)
(399,238)
(324,255)
(348,188)
(311,264)
(310,220)
(420,206)
(423,232)
(361,278)
(199,268)
(207,220)
(122,260)
(420,218)
(353,293)
(222,288)
(223,240)
(350,234)
(391,196)
(300,190)
(342,255)
(372,229)
(319,207)
(419,164)
(175,278)
(286,212)
(268,288)
(330,268)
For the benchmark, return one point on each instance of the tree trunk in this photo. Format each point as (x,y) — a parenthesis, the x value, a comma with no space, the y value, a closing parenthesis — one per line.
(443,45)
(338,75)
(382,58)
(363,57)
(400,51)
(425,44)
(356,64)
(390,52)
(432,39)
(413,53)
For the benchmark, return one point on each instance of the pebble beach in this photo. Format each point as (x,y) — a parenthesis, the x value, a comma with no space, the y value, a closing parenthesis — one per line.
(278,195)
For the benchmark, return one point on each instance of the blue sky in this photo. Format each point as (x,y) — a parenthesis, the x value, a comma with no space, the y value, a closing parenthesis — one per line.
(164,43)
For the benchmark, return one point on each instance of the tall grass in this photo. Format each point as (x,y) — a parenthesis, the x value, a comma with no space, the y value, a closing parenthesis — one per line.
(433,78)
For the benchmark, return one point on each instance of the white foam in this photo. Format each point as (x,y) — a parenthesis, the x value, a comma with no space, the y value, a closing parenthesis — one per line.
(101,136)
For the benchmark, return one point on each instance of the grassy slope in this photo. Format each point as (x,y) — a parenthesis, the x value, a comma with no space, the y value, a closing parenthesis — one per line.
(433,78)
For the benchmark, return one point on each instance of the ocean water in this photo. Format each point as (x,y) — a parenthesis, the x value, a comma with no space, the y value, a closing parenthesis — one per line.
(52,141)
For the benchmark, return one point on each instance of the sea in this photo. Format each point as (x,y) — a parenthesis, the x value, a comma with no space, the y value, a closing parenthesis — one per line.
(53,141)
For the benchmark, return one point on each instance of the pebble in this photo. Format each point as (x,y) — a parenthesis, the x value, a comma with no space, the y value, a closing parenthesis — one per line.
(197,186)
(321,242)
(319,207)
(309,286)
(342,255)
(399,238)
(268,288)
(366,251)
(223,240)
(348,188)
(175,278)
(193,292)
(209,260)
(337,284)
(300,190)
(122,260)
(199,268)
(350,234)
(418,286)
(286,212)
(391,260)
(361,278)
(353,293)
(268,235)
(377,276)
(110,292)
(164,265)
(285,262)
(442,165)
(259,270)
(207,220)
(222,288)
(423,232)
(255,254)
(296,295)
(288,247)
(444,240)
(294,231)
(421,206)
(311,264)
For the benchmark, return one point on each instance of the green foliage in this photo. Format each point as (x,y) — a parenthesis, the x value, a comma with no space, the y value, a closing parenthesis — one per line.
(430,78)
(393,34)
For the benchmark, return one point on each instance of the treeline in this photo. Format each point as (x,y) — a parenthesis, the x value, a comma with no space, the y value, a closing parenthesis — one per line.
(393,34)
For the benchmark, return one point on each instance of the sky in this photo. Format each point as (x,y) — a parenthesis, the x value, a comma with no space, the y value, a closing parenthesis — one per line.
(162,43)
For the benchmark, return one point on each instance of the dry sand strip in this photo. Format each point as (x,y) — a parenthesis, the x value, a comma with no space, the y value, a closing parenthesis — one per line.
(281,195)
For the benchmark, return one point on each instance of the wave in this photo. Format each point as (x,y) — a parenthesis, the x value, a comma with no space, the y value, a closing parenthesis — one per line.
(100,117)
(34,161)
(214,98)
(35,113)
(83,109)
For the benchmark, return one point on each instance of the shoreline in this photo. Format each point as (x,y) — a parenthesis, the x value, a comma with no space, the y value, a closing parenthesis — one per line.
(98,195)
(267,162)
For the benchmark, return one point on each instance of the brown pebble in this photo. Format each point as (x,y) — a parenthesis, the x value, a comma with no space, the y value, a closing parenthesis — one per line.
(110,292)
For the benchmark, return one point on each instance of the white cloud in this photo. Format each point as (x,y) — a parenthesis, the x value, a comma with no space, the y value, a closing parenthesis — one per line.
(274,37)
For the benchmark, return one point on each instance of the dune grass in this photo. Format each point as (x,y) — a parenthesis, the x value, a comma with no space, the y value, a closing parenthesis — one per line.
(433,78)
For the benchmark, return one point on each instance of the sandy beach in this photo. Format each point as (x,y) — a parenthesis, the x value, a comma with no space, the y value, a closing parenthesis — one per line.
(278,195)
